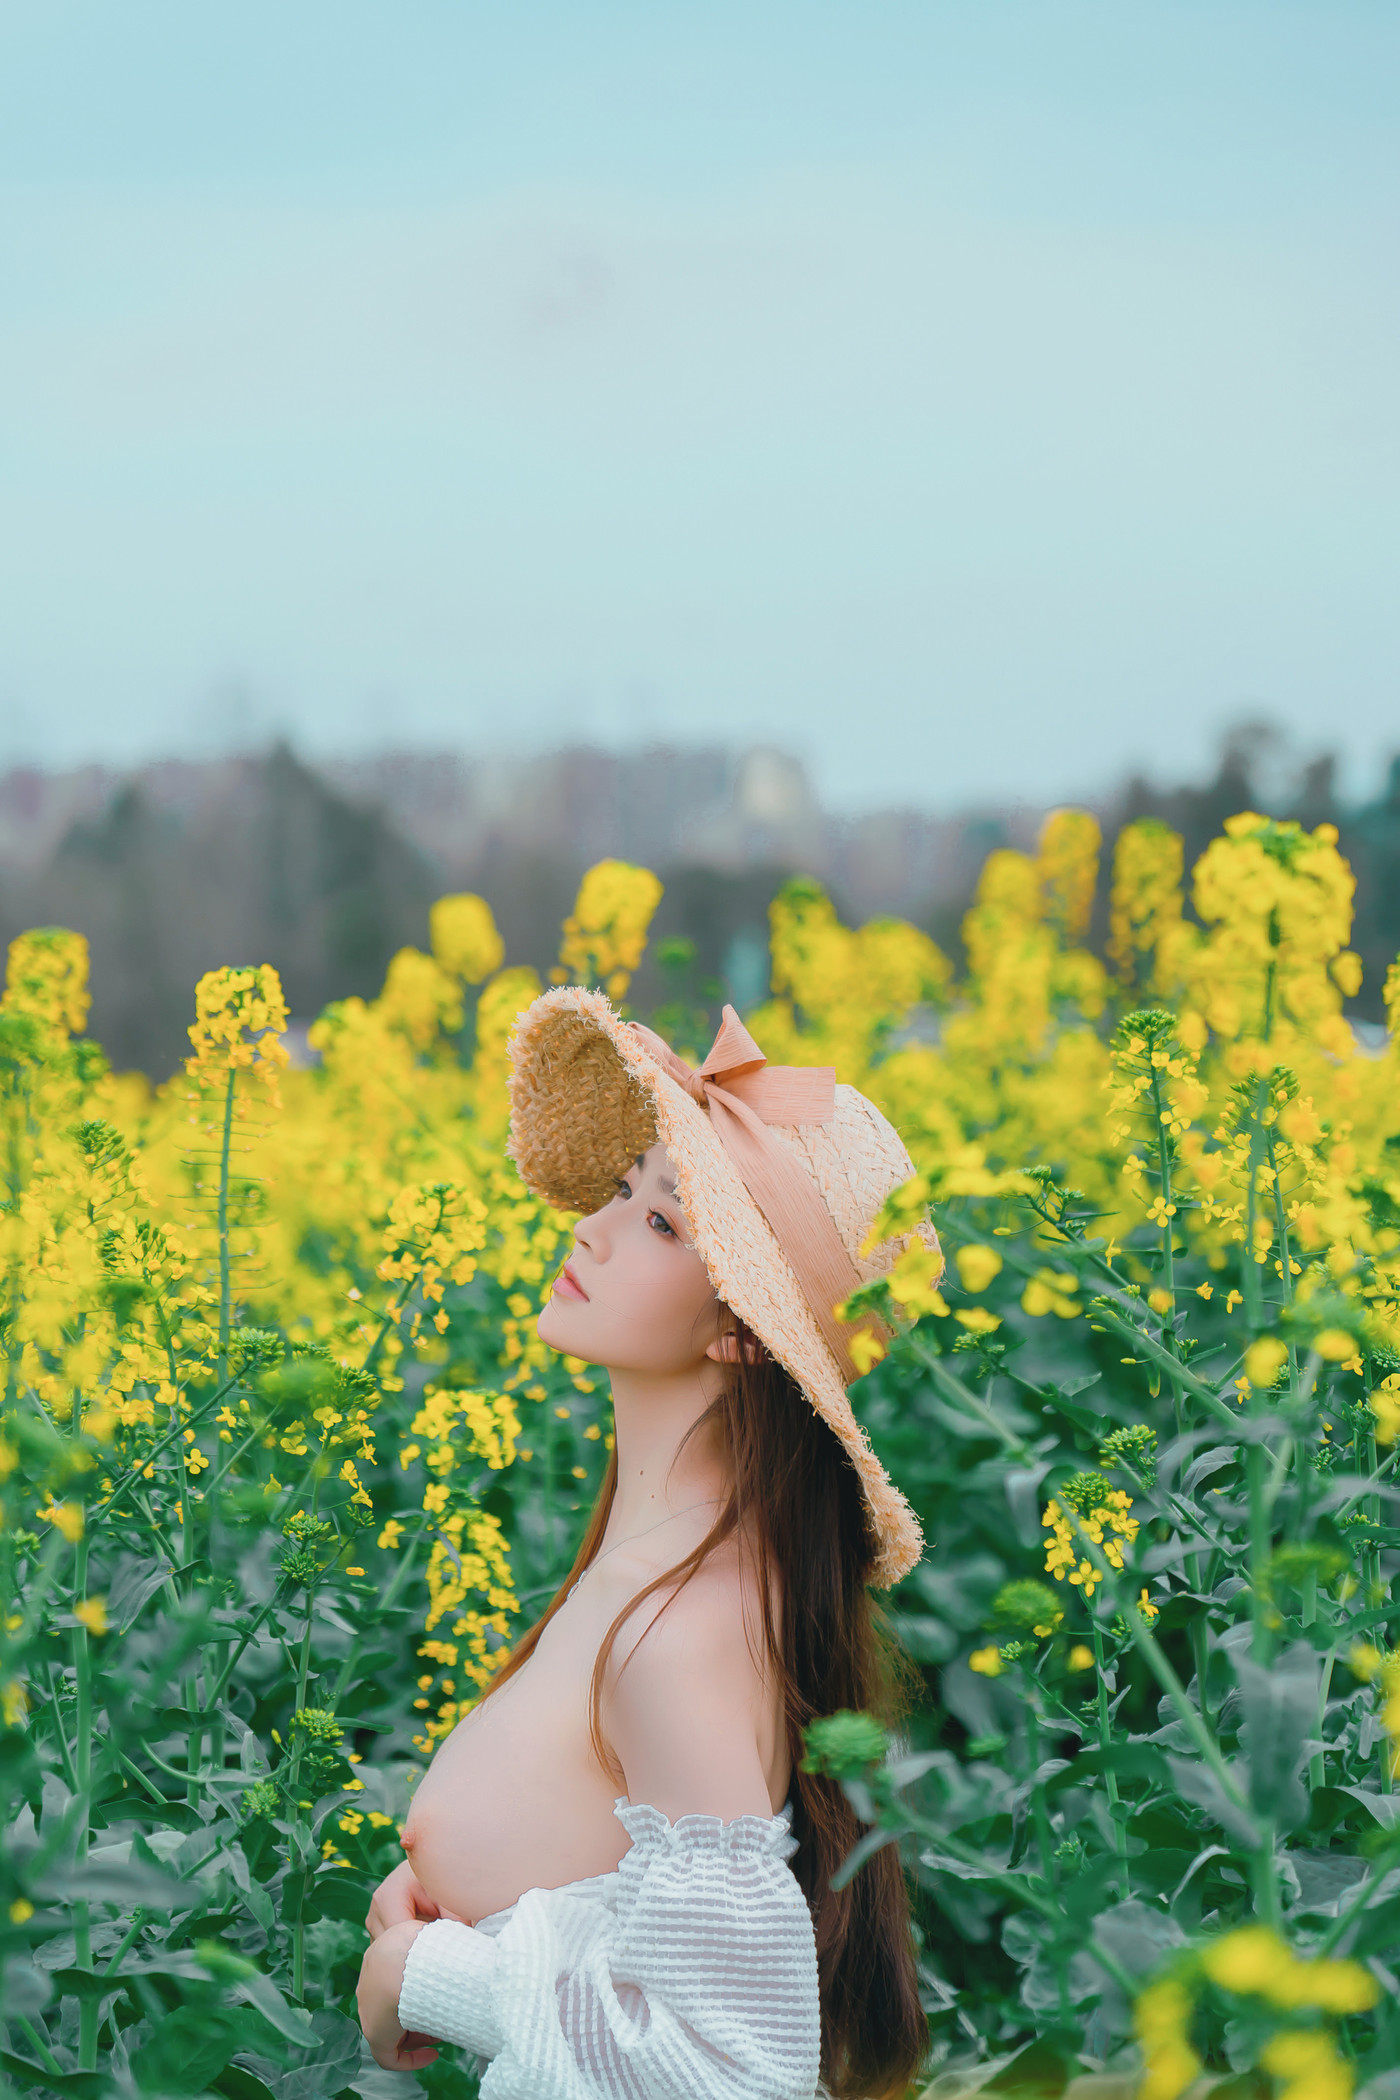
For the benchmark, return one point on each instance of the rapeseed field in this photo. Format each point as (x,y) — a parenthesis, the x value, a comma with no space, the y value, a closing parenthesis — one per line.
(285,1469)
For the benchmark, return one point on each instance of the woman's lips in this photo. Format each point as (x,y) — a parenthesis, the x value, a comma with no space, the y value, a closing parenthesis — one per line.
(567,1285)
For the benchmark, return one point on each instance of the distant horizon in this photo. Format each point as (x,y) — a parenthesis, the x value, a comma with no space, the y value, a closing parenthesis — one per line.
(1276,763)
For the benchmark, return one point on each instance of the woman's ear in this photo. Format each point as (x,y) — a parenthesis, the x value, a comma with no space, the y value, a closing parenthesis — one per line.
(725,1348)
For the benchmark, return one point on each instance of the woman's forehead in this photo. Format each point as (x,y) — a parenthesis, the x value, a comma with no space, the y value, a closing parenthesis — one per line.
(656,1164)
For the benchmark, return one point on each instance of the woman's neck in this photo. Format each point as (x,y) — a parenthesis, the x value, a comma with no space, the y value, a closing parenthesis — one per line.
(655,1477)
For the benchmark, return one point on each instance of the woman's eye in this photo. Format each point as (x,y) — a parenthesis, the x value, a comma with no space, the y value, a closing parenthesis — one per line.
(655,1218)
(624,1188)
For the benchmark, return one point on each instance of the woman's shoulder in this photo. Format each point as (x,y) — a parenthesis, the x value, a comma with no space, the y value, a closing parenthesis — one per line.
(684,1698)
(681,1621)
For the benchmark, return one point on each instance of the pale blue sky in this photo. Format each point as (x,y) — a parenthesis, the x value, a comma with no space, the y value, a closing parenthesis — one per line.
(978,395)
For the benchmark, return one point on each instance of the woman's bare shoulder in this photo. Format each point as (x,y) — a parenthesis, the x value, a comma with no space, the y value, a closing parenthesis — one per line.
(684,1699)
(687,1619)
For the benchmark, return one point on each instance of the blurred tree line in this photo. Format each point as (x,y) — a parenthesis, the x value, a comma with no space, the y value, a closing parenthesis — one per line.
(325,873)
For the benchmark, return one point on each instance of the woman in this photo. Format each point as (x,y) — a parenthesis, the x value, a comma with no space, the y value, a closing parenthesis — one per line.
(682,1942)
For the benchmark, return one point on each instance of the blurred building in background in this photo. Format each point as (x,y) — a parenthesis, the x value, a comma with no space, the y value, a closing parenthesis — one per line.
(326,870)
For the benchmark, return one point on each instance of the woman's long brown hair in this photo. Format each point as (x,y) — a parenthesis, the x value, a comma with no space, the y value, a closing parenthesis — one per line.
(796,1499)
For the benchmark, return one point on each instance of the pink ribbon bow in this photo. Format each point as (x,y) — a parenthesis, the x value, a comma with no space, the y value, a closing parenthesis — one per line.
(744,1094)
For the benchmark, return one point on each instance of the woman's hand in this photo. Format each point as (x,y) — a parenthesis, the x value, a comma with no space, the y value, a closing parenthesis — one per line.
(400,1899)
(381,1982)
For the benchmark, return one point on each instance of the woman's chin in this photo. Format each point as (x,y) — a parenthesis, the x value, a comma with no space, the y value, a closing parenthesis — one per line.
(555,1327)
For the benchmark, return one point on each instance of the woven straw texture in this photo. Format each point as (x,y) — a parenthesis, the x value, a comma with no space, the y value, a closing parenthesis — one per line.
(586,1098)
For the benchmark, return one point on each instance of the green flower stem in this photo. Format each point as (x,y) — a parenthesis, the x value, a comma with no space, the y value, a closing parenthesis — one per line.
(387,1321)
(302,1871)
(1250,1271)
(39,2046)
(221,1686)
(398,1582)
(1153,1353)
(1039,1816)
(1022,1886)
(65,1755)
(954,1389)
(1285,1255)
(1260,1551)
(210,1776)
(138,1775)
(1120,1834)
(174,1435)
(1317,1763)
(82,1765)
(1156,1659)
(129,1939)
(225,1266)
(1164,1189)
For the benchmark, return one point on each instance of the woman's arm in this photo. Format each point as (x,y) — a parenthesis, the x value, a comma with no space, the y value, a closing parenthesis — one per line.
(377,1996)
(681,1706)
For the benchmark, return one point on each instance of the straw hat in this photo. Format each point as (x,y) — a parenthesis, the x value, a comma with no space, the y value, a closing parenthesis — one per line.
(779,1170)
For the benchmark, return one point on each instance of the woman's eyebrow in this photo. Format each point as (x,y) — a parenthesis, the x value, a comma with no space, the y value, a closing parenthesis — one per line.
(667,1188)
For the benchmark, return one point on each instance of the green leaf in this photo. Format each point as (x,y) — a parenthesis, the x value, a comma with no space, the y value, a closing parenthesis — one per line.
(1198,1784)
(33,2078)
(187,2049)
(82,1983)
(238,2084)
(1280,1715)
(1384,1807)
(1127,1760)
(289,2020)
(338,1896)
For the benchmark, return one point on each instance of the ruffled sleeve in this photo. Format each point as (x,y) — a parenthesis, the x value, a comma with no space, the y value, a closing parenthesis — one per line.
(698,1981)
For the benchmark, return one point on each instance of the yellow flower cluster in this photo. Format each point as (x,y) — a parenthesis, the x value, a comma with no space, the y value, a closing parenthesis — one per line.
(47,978)
(1090,1510)
(1276,901)
(606,933)
(1145,934)
(240,1019)
(464,938)
(1253,1962)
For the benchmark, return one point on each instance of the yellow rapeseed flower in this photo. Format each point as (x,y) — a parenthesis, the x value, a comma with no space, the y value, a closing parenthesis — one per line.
(66,1517)
(1264,1359)
(240,1019)
(1051,1291)
(92,1613)
(978,1267)
(1385,1406)
(866,1350)
(1162,2022)
(977,1320)
(1307,2064)
(464,937)
(606,933)
(987,1662)
(46,976)
(1252,1959)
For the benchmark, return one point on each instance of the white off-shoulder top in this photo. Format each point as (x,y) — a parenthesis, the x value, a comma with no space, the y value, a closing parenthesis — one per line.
(689,1973)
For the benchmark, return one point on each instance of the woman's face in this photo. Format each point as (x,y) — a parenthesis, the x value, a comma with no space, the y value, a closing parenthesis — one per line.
(634,1294)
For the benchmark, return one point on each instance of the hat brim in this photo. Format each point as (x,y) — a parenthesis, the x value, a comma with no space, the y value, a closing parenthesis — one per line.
(586,1098)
